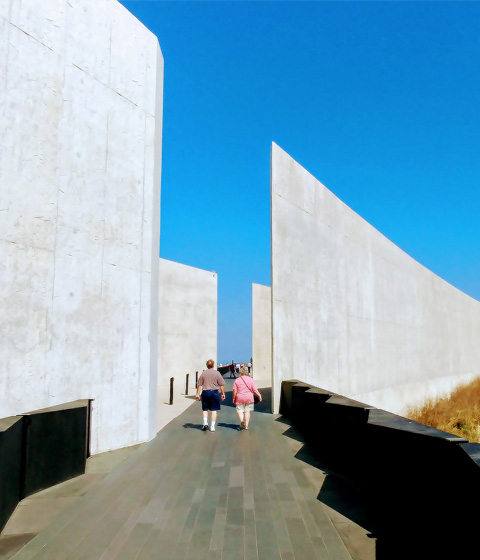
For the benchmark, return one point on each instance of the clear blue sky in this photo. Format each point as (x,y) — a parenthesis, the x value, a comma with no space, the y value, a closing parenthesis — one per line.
(378,100)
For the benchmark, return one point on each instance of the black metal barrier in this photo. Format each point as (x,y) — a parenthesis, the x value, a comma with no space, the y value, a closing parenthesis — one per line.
(10,465)
(421,485)
(40,449)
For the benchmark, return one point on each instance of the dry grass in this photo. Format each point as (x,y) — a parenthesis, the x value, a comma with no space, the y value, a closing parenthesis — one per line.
(458,413)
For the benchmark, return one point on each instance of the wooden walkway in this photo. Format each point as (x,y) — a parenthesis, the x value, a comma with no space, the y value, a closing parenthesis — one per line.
(188,494)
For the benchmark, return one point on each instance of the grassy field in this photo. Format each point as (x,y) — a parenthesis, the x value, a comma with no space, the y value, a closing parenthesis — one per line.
(458,413)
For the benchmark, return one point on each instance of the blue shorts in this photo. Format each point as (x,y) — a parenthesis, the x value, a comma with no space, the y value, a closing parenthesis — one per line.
(210,400)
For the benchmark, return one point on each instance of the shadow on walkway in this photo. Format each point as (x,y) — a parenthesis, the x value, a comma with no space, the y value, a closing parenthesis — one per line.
(219,425)
(193,426)
(345,502)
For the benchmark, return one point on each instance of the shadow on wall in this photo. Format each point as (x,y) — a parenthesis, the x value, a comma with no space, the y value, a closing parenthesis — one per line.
(416,489)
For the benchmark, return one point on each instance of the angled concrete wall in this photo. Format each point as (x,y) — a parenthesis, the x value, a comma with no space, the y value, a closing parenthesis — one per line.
(187,334)
(81,118)
(262,334)
(353,313)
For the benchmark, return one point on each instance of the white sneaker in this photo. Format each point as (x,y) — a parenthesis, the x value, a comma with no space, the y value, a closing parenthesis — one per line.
(212,428)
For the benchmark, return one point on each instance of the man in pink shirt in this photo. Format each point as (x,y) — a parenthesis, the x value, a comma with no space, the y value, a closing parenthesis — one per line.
(209,382)
(244,388)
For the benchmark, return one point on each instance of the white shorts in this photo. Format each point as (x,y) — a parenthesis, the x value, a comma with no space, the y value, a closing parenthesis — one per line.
(245,407)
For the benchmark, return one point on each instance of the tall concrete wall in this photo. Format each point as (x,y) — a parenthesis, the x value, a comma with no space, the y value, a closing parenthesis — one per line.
(187,334)
(262,334)
(351,312)
(81,94)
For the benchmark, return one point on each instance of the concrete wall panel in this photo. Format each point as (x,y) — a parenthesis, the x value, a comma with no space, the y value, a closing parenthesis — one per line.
(262,334)
(80,161)
(352,312)
(187,335)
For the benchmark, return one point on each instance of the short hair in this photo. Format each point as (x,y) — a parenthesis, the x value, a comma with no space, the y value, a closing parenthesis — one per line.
(210,364)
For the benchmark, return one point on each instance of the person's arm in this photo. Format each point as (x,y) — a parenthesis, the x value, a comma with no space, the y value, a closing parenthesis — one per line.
(234,394)
(256,391)
(199,388)
(221,384)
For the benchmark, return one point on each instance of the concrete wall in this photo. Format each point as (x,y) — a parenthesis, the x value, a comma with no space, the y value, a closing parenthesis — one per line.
(354,314)
(187,334)
(81,94)
(262,334)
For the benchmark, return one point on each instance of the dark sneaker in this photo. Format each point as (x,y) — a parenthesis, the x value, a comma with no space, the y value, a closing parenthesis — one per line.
(205,428)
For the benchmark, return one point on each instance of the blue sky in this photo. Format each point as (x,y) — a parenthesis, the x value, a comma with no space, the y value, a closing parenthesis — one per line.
(378,100)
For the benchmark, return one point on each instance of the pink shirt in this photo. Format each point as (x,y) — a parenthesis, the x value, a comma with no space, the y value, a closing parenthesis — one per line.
(244,386)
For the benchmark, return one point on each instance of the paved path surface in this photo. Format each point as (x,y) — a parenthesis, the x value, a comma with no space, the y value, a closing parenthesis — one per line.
(197,495)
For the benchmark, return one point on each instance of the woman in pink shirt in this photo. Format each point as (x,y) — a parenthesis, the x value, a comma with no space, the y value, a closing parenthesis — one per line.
(243,390)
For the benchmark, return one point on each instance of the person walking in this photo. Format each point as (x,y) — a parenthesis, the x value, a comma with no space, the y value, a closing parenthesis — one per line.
(244,388)
(209,383)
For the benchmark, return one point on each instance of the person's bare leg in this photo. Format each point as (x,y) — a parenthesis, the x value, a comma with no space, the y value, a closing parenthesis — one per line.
(205,418)
(214,420)
(247,419)
(240,417)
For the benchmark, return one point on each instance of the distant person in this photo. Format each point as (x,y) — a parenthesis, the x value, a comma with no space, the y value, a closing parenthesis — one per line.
(249,367)
(237,368)
(244,388)
(232,370)
(209,384)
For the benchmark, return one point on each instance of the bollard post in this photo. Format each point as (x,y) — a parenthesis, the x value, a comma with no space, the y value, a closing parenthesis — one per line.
(186,383)
(196,379)
(171,390)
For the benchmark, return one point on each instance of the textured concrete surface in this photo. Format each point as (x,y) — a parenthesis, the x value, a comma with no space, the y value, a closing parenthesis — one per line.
(166,412)
(80,153)
(193,494)
(354,314)
(262,334)
(187,331)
